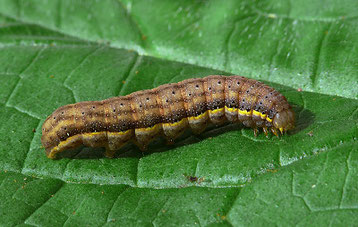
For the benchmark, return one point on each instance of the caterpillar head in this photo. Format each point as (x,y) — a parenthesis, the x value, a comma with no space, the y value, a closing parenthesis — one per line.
(284,120)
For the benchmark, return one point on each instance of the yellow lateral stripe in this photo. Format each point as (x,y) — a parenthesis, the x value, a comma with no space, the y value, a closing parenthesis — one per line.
(69,139)
(231,109)
(119,133)
(256,113)
(198,117)
(56,149)
(89,134)
(216,110)
(259,114)
(86,135)
(245,112)
(148,128)
(174,124)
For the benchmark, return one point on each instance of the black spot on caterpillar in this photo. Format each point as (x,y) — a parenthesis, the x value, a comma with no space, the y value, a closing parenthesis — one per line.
(166,110)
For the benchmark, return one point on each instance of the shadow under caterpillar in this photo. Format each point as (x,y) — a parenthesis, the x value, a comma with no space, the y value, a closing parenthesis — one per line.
(167,111)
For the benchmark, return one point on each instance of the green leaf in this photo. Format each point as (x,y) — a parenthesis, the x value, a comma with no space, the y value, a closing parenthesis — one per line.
(300,44)
(52,202)
(318,191)
(54,53)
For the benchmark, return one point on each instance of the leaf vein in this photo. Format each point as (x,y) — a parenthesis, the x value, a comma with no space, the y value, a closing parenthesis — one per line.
(317,61)
(57,190)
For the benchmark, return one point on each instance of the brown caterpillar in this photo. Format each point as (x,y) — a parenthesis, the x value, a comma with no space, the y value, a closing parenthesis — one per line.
(166,110)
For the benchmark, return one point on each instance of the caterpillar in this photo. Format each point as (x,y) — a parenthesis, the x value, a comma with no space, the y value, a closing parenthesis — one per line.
(167,111)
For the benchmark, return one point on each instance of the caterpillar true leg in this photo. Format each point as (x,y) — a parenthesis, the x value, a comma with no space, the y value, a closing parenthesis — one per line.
(274,131)
(256,131)
(265,131)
